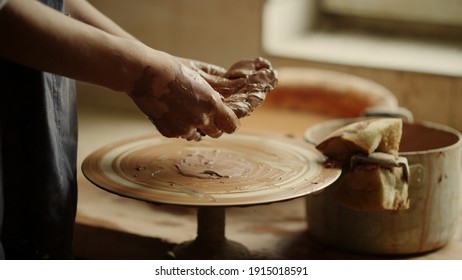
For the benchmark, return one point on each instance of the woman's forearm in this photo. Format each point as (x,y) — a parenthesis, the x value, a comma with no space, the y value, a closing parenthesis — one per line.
(37,36)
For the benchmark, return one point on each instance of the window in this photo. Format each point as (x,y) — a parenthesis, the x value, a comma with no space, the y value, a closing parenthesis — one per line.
(442,12)
(412,35)
(437,19)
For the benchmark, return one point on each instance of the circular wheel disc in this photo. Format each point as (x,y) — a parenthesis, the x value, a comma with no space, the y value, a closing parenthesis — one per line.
(234,170)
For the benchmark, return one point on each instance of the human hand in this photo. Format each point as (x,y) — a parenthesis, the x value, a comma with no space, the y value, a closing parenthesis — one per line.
(180,103)
(244,85)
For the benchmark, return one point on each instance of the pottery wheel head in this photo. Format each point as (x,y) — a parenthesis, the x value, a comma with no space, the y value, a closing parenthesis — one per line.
(234,170)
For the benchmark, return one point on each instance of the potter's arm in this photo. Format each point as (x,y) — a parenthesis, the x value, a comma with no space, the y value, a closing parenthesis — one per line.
(244,86)
(37,36)
(176,100)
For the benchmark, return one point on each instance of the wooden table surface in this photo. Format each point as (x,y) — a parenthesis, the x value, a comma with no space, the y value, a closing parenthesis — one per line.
(113,227)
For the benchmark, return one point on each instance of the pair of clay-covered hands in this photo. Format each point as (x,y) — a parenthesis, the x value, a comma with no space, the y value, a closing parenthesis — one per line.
(190,99)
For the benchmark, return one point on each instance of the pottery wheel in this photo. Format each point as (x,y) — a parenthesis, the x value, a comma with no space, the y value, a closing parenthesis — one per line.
(234,170)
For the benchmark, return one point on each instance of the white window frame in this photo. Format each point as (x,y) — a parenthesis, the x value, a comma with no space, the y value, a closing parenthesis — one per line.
(445,12)
(289,30)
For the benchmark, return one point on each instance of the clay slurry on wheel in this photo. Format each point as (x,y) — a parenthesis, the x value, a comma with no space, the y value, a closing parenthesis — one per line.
(213,164)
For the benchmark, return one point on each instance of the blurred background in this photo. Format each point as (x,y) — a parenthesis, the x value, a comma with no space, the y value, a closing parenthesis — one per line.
(417,55)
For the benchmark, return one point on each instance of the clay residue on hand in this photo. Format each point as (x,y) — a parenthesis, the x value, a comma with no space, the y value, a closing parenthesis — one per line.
(145,97)
(245,85)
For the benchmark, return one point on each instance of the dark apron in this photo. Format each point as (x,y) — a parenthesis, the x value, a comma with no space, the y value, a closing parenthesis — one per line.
(38,155)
